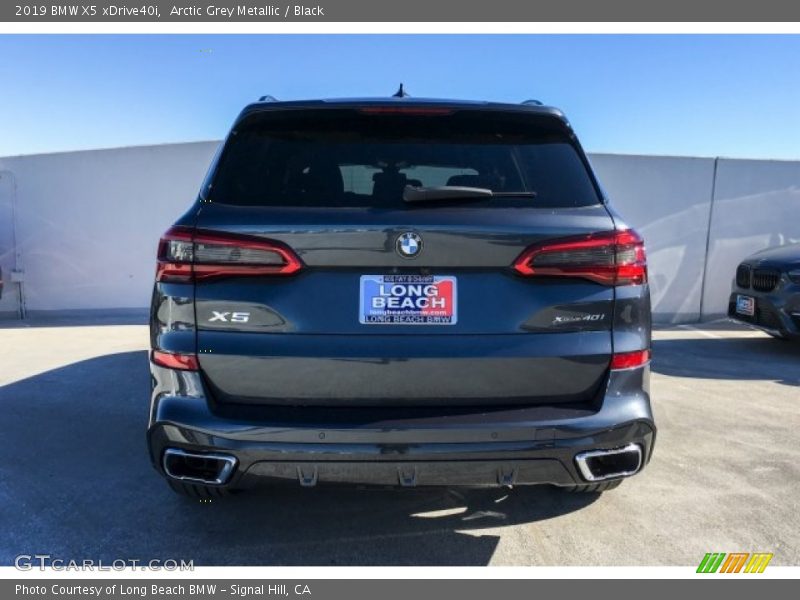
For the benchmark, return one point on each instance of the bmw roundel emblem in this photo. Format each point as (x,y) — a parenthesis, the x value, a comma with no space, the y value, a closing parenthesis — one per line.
(409,245)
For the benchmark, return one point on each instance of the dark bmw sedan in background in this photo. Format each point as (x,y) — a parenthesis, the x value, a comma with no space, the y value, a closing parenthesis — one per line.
(766,291)
(400,292)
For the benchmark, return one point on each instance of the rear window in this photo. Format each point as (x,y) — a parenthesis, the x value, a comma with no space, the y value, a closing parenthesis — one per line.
(341,158)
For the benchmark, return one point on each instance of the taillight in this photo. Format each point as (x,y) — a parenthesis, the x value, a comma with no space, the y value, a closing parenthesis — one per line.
(172,360)
(184,255)
(608,257)
(175,251)
(629,360)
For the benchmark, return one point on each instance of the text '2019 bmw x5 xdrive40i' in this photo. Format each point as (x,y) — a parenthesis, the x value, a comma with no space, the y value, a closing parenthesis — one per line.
(400,292)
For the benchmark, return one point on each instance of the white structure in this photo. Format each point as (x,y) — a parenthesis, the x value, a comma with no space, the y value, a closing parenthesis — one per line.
(81,228)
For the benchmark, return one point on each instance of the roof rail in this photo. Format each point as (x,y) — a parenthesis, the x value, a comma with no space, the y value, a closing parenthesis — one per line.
(532,102)
(268,98)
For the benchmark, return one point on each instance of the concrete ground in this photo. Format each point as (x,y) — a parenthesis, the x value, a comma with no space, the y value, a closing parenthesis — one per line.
(75,480)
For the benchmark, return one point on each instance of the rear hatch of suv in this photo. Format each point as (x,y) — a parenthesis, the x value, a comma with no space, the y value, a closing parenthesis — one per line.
(318,283)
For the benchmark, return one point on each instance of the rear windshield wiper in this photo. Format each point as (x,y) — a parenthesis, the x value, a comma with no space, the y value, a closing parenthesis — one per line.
(456,192)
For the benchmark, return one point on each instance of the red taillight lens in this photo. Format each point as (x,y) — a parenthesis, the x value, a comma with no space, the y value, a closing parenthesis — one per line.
(629,360)
(608,257)
(175,255)
(187,256)
(171,360)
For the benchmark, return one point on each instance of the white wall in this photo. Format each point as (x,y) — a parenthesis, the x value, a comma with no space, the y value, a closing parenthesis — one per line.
(88,222)
(756,206)
(9,301)
(668,200)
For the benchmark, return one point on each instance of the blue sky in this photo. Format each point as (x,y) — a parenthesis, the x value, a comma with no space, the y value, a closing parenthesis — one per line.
(710,95)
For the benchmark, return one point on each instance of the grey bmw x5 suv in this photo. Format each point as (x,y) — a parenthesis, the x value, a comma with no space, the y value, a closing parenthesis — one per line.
(405,292)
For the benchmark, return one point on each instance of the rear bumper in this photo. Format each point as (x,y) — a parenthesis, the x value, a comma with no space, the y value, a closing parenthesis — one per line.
(517,445)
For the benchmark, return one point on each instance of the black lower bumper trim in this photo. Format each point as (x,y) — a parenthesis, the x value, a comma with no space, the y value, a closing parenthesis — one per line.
(407,474)
(479,463)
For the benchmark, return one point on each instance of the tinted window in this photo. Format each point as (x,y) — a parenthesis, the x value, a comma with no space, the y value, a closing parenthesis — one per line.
(345,158)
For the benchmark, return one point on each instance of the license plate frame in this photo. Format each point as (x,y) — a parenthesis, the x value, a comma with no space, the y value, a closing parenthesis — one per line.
(434,299)
(745,305)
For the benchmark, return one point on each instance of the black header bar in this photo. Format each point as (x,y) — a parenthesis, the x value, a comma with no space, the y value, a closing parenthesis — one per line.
(441,11)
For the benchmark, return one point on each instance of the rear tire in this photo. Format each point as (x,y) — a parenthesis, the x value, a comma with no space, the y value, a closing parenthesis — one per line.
(602,486)
(194,490)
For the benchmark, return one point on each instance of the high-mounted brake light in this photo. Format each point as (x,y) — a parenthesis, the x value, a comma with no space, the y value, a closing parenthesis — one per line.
(629,360)
(184,256)
(608,258)
(172,360)
(406,110)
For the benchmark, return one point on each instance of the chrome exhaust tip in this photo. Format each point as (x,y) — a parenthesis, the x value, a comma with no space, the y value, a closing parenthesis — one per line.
(196,467)
(599,465)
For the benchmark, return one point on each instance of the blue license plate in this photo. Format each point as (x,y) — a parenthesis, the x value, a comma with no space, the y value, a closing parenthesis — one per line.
(407,300)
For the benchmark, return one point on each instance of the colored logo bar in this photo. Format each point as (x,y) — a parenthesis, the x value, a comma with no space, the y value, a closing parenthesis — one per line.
(735,562)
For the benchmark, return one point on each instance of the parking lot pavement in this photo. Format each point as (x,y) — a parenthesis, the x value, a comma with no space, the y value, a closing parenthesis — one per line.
(76,482)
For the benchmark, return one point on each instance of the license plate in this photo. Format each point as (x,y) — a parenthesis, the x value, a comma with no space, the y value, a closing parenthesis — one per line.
(407,300)
(745,305)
